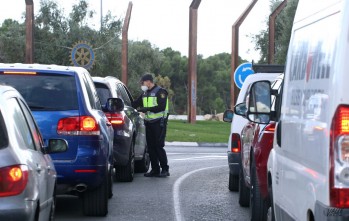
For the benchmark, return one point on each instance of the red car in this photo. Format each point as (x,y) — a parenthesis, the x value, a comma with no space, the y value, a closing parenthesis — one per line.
(256,143)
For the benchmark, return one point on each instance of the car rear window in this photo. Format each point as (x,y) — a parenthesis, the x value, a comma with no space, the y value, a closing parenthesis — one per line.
(45,91)
(3,133)
(103,92)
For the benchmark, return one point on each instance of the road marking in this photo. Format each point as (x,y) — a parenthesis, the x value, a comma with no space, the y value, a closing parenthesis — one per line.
(175,190)
(203,158)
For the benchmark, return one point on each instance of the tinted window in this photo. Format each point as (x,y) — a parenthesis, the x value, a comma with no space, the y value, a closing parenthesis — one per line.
(124,95)
(35,131)
(20,124)
(103,92)
(45,92)
(3,133)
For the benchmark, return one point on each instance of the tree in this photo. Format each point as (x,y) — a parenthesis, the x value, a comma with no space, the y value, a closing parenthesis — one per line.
(282,33)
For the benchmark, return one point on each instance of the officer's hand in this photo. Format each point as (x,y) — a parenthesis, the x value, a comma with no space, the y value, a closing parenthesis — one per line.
(143,109)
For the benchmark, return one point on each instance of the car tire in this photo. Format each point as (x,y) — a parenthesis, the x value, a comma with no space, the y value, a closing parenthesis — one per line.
(126,173)
(270,213)
(233,182)
(258,208)
(95,202)
(110,184)
(142,166)
(53,207)
(244,192)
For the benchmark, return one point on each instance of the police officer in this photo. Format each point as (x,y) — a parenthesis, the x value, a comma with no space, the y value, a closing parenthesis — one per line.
(153,102)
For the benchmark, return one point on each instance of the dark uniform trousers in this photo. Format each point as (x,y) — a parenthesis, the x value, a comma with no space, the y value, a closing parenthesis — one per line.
(155,133)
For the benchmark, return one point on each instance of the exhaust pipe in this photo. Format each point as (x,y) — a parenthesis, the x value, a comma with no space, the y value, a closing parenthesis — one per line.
(80,187)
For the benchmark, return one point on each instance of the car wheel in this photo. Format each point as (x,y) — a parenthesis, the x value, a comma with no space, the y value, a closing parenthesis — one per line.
(95,202)
(142,166)
(110,183)
(258,209)
(53,207)
(233,182)
(244,192)
(270,213)
(126,173)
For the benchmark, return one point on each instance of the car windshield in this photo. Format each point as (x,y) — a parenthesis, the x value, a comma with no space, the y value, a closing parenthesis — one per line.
(3,133)
(103,92)
(45,92)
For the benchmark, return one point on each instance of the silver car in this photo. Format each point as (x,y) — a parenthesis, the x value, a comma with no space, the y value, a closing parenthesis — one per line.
(27,174)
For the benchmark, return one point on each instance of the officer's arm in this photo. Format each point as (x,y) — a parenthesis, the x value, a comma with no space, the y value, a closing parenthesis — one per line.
(138,102)
(162,100)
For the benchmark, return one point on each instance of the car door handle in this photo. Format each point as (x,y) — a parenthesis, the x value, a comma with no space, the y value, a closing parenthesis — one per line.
(38,168)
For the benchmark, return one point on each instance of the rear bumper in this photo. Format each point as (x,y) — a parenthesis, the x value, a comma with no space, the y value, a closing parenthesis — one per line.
(70,175)
(234,160)
(17,209)
(121,149)
(323,212)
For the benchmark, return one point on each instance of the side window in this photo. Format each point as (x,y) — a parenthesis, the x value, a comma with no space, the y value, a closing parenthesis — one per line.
(31,122)
(94,93)
(20,124)
(90,94)
(3,133)
(124,95)
(128,93)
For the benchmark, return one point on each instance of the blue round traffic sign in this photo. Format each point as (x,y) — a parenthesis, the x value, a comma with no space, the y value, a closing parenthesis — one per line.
(241,73)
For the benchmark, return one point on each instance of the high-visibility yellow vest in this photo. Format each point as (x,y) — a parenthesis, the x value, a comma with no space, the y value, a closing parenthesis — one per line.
(150,100)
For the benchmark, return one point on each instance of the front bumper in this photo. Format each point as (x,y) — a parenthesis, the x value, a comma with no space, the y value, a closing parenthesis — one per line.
(234,160)
(325,213)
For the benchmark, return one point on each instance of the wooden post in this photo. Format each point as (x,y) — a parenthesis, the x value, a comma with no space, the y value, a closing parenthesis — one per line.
(192,63)
(272,23)
(29,41)
(124,56)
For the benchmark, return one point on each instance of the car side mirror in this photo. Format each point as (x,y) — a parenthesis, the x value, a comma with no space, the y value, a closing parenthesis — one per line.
(56,146)
(259,102)
(228,116)
(240,109)
(114,105)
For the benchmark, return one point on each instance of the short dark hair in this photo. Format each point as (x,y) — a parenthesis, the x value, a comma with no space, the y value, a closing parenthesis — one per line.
(147,77)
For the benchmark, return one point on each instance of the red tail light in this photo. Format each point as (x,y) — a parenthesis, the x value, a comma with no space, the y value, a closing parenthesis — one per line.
(235,143)
(270,127)
(339,159)
(83,125)
(115,118)
(13,180)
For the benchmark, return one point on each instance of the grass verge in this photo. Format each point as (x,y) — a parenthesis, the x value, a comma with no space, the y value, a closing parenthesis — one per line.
(202,131)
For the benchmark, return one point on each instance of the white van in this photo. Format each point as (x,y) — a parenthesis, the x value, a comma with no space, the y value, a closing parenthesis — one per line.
(237,123)
(308,168)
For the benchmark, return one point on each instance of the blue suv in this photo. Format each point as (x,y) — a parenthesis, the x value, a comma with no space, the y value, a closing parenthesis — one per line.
(65,105)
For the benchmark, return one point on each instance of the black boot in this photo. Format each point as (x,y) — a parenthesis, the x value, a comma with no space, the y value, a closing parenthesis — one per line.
(152,173)
(164,173)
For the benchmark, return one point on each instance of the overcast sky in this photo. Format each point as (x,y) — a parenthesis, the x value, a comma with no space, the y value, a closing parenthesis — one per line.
(165,23)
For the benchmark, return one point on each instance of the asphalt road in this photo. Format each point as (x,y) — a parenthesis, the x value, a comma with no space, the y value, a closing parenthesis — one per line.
(196,190)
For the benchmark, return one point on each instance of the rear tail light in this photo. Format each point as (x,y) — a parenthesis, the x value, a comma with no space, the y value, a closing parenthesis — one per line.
(270,127)
(13,180)
(83,125)
(235,143)
(115,118)
(339,159)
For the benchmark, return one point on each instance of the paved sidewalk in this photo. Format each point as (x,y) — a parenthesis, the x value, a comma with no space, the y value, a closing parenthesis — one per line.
(195,144)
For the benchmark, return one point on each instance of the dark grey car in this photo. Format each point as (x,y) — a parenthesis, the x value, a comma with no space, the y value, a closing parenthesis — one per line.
(27,174)
(130,148)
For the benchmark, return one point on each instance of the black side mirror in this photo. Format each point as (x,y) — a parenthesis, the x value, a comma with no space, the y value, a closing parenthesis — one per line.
(228,116)
(240,109)
(56,146)
(114,105)
(259,102)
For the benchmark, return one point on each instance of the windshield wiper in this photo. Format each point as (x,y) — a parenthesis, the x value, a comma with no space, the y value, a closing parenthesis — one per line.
(34,107)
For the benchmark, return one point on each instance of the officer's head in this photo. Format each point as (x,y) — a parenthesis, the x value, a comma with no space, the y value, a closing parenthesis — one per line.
(147,82)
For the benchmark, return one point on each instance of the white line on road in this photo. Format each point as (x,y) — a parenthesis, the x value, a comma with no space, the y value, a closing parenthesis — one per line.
(177,184)
(203,158)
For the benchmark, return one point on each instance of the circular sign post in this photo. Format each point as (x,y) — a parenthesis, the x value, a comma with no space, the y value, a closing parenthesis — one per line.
(241,73)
